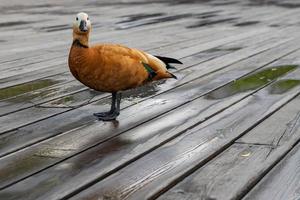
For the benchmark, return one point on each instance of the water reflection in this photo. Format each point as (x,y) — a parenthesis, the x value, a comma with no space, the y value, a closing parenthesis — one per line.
(283,86)
(250,82)
(26,87)
(143,91)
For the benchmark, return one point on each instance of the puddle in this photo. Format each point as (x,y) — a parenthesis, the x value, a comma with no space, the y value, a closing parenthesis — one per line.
(224,49)
(134,3)
(283,86)
(274,25)
(52,12)
(161,16)
(40,95)
(20,167)
(188,1)
(65,100)
(215,52)
(24,7)
(14,23)
(75,99)
(211,22)
(26,87)
(142,92)
(279,3)
(136,94)
(29,97)
(250,82)
(61,12)
(137,17)
(206,16)
(136,23)
(248,23)
(224,3)
(55,28)
(119,3)
(289,5)
(54,152)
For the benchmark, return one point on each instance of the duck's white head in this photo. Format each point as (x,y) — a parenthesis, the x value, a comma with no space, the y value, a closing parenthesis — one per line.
(82,23)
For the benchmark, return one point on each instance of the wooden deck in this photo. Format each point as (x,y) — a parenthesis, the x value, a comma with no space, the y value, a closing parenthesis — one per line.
(228,128)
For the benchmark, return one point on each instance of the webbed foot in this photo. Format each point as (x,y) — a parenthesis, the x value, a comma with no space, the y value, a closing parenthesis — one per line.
(107,116)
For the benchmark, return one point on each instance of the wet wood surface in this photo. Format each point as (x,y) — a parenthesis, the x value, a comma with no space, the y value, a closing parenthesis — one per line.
(228,128)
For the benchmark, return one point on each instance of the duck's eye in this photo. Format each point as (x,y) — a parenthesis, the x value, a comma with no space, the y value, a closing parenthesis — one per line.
(88,18)
(76,18)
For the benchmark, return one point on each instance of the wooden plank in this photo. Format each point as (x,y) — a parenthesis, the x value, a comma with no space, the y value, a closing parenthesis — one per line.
(59,92)
(202,7)
(8,70)
(61,60)
(63,38)
(214,65)
(225,76)
(30,103)
(242,165)
(90,129)
(224,177)
(135,8)
(63,141)
(17,90)
(31,99)
(32,76)
(277,134)
(282,182)
(159,170)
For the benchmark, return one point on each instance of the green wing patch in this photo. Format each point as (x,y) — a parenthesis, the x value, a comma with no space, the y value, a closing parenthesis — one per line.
(151,72)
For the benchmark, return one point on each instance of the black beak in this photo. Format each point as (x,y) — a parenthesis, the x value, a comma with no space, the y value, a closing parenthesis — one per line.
(83,26)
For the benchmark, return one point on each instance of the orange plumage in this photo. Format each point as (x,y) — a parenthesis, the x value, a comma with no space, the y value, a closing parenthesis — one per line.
(111,67)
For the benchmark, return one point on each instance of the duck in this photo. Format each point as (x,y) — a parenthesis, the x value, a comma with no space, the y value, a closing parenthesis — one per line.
(112,68)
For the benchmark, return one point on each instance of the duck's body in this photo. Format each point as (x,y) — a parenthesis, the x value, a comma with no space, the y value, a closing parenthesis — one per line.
(111,67)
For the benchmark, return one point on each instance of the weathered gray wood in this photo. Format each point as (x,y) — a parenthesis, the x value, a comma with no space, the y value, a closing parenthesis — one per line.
(23,104)
(11,124)
(91,129)
(17,90)
(62,60)
(237,169)
(139,7)
(54,151)
(276,133)
(222,178)
(39,45)
(205,37)
(203,7)
(282,182)
(252,12)
(30,99)
(226,75)
(160,169)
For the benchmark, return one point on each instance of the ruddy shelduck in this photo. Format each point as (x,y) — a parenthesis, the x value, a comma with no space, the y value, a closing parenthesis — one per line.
(111,67)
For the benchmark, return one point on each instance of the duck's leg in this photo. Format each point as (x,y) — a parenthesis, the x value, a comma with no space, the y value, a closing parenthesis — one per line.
(114,110)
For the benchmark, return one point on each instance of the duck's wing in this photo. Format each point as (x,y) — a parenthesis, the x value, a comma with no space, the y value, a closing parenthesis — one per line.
(157,65)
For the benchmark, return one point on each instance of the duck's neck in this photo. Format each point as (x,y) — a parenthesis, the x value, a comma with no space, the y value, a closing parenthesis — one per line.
(81,40)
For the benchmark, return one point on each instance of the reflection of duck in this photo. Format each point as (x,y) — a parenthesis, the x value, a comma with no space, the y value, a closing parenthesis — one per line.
(111,67)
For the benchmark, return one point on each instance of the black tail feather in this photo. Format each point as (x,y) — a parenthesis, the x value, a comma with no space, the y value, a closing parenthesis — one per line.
(168,66)
(173,76)
(168,60)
